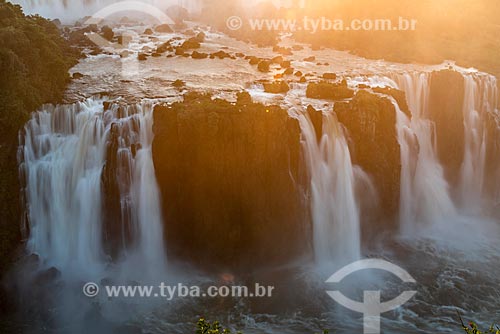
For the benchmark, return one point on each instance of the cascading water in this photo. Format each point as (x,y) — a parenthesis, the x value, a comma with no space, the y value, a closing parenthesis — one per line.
(425,196)
(480,98)
(72,157)
(334,209)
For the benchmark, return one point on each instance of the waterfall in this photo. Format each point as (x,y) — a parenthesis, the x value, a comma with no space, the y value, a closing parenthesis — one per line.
(480,98)
(425,195)
(72,158)
(334,209)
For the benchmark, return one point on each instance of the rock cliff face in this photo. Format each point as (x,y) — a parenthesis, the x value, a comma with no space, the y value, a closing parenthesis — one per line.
(446,110)
(371,124)
(230,175)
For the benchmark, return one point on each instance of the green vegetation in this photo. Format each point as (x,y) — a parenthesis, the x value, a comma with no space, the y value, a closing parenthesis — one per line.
(205,327)
(34,64)
(472,328)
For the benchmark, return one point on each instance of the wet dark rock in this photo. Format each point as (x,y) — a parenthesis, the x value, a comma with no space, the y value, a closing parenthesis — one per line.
(199,55)
(163,28)
(330,76)
(164,47)
(264,66)
(191,43)
(148,31)
(316,117)
(286,64)
(178,83)
(373,142)
(254,60)
(240,55)
(142,56)
(302,80)
(310,59)
(221,54)
(446,97)
(288,71)
(180,51)
(329,91)
(200,37)
(298,74)
(77,75)
(107,33)
(156,54)
(398,95)
(277,60)
(276,87)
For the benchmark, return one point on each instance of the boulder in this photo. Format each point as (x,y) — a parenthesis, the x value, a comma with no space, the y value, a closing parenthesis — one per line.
(221,54)
(163,28)
(264,66)
(254,60)
(199,55)
(329,76)
(329,91)
(77,75)
(276,87)
(200,37)
(107,33)
(178,83)
(191,43)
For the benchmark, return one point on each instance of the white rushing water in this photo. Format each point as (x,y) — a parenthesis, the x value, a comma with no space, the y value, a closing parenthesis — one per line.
(64,153)
(480,98)
(334,208)
(425,196)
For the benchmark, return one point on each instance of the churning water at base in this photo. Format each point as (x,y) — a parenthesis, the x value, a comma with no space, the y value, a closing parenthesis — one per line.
(76,159)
